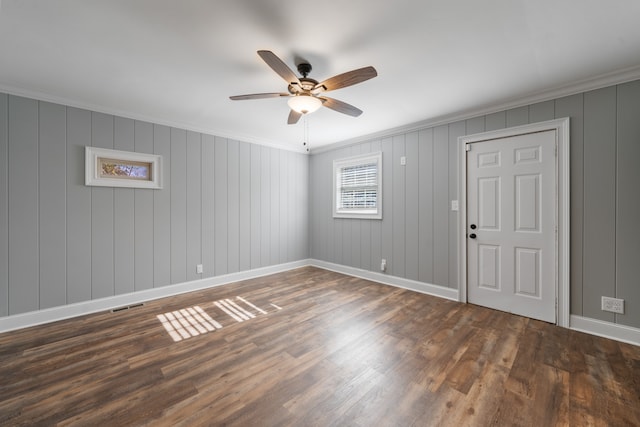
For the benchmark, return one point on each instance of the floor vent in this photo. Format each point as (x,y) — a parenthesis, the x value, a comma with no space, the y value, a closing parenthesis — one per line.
(126,307)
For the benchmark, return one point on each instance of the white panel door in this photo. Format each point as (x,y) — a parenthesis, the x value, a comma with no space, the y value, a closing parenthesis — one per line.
(511,224)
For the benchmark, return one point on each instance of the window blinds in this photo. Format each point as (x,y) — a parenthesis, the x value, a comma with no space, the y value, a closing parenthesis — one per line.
(359,186)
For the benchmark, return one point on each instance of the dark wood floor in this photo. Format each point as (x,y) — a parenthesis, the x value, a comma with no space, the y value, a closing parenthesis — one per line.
(331,350)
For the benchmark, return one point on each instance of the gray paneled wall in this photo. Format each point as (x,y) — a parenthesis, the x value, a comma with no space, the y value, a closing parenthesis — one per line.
(228,205)
(418,233)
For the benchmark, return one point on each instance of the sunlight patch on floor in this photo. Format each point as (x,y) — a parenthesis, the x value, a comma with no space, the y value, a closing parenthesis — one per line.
(187,323)
(193,321)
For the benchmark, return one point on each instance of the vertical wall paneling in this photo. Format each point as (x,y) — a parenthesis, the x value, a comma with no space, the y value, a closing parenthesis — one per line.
(325,213)
(4,205)
(425,206)
(495,121)
(542,112)
(343,253)
(194,205)
(295,244)
(244,169)
(412,200)
(225,204)
(78,208)
(162,210)
(52,204)
(316,211)
(604,203)
(314,215)
(208,205)
(284,215)
(102,217)
(365,227)
(573,106)
(599,201)
(303,192)
(299,208)
(265,205)
(23,205)
(386,225)
(338,223)
(441,205)
(144,215)
(233,206)
(455,130)
(274,238)
(474,125)
(124,216)
(386,231)
(326,188)
(178,205)
(398,175)
(221,209)
(628,209)
(256,163)
(517,116)
(376,225)
(34,195)
(356,227)
(295,210)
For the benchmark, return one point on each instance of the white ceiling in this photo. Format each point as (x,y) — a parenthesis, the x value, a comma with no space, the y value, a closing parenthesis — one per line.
(177,62)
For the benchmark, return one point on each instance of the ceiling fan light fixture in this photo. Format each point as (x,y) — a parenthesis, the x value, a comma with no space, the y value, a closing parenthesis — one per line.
(304,103)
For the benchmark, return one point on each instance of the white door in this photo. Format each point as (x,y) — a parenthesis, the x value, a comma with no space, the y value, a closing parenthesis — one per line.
(511,224)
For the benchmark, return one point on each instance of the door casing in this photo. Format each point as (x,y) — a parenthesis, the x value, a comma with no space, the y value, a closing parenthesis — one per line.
(562,285)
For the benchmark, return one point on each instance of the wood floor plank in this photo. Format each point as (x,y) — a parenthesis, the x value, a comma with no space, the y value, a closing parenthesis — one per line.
(315,348)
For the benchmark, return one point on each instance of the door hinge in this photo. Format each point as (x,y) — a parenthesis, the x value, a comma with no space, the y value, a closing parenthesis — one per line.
(467,147)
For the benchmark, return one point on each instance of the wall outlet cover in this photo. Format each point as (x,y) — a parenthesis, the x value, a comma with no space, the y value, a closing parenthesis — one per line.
(614,305)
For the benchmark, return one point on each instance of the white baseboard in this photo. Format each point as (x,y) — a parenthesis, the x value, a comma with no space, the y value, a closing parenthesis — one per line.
(399,282)
(18,321)
(25,320)
(609,330)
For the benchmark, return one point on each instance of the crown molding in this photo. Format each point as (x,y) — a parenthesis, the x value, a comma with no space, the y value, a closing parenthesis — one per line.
(45,97)
(604,80)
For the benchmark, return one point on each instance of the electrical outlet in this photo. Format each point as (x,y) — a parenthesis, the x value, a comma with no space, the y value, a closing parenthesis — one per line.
(199,269)
(614,305)
(383,265)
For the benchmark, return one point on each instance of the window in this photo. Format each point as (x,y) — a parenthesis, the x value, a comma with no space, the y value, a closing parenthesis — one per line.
(357,187)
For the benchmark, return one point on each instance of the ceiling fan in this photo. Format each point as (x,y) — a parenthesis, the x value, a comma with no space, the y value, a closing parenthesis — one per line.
(304,92)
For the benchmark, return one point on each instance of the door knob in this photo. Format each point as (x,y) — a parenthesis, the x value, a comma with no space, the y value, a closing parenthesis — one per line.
(472,235)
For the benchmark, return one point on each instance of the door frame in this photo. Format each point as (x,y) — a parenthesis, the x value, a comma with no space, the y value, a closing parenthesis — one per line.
(562,285)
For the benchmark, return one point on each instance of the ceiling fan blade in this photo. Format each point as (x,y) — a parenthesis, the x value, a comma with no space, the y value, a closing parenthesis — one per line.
(278,66)
(340,107)
(294,116)
(258,96)
(349,78)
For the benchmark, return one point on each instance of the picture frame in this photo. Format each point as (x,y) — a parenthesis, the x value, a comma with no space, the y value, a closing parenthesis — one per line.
(115,168)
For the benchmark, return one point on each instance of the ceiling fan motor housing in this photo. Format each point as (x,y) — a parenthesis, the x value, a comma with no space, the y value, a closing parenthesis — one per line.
(306,84)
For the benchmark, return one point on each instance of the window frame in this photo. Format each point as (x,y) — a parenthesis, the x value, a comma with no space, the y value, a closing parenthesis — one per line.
(364,159)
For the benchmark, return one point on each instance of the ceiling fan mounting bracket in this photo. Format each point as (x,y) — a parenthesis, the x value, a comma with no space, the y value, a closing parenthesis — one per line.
(304,68)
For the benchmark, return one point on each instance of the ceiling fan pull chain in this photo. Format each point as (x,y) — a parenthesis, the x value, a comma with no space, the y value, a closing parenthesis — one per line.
(306,133)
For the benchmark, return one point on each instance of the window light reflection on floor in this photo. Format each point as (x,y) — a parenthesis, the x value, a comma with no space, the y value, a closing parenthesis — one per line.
(193,321)
(187,323)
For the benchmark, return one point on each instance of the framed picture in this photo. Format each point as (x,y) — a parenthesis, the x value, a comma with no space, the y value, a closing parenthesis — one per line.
(113,168)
